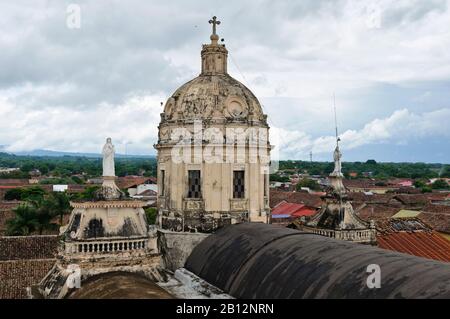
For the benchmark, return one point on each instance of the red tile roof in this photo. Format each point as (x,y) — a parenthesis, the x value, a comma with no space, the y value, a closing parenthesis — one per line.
(293,210)
(133,181)
(311,200)
(413,237)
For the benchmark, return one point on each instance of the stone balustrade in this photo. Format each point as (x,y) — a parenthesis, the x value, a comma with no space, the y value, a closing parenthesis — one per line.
(103,246)
(350,235)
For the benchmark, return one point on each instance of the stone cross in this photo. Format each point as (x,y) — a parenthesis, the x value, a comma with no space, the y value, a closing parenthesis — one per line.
(214,22)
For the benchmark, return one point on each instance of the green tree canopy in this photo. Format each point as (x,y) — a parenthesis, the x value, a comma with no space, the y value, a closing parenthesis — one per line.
(24,223)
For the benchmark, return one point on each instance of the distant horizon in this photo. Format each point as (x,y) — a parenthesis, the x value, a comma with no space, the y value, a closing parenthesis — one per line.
(56,153)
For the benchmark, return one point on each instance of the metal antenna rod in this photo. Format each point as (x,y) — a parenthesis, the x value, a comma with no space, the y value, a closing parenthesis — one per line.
(335,118)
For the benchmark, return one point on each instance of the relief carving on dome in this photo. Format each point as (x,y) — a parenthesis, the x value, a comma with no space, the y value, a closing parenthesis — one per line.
(235,107)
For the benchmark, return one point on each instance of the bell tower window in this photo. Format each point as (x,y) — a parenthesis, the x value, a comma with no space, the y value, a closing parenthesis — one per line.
(194,184)
(239,184)
(163,182)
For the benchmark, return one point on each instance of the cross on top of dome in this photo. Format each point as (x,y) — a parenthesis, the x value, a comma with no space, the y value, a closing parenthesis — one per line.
(214,37)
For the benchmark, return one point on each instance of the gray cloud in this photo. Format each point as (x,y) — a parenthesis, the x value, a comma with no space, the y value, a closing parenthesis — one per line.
(292,54)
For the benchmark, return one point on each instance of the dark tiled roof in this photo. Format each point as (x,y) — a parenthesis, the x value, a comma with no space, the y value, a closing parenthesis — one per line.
(433,208)
(375,198)
(17,275)
(376,211)
(28,247)
(5,216)
(439,222)
(412,199)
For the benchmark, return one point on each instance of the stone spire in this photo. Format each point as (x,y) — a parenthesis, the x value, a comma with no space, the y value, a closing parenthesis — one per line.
(214,55)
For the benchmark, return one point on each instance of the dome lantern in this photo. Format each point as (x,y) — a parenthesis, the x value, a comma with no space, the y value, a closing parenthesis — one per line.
(214,55)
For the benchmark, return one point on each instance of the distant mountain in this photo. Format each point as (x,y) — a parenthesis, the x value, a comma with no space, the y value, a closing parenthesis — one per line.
(48,153)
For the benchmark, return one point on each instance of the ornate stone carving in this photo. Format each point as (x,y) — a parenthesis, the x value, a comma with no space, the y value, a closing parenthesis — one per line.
(193,204)
(238,204)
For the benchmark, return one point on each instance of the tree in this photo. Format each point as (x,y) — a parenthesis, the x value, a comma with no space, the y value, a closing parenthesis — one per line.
(35,193)
(58,204)
(418,183)
(426,189)
(44,214)
(13,194)
(151,214)
(278,178)
(371,162)
(306,182)
(24,222)
(89,193)
(440,184)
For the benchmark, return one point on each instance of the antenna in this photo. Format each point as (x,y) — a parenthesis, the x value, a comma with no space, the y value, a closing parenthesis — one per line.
(310,156)
(335,119)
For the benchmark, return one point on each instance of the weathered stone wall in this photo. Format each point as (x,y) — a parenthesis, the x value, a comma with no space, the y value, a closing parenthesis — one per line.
(176,247)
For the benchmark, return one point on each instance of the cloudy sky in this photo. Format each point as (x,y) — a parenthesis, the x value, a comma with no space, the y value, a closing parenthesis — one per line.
(387,62)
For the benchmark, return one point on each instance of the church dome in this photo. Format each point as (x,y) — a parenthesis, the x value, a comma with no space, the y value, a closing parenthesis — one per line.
(214,94)
(217,96)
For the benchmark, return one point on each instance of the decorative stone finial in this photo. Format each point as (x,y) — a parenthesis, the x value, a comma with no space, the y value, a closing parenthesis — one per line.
(214,37)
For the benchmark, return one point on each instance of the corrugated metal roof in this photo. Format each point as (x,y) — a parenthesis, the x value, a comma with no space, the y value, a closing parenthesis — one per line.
(427,244)
(404,213)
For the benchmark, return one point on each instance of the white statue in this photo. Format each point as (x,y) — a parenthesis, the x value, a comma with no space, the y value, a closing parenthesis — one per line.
(337,155)
(108,158)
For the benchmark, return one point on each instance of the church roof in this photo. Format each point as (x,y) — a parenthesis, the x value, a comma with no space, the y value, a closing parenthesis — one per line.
(119,285)
(252,260)
(217,96)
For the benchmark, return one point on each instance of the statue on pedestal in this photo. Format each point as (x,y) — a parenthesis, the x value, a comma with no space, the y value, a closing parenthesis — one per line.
(109,188)
(108,158)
